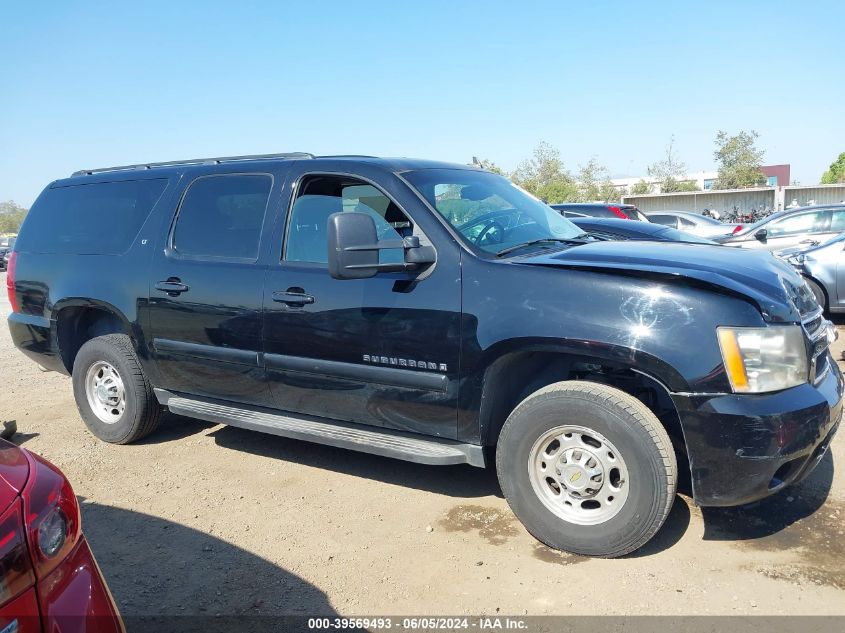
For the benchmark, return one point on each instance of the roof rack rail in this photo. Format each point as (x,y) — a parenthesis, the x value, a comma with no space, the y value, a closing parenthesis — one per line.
(197,161)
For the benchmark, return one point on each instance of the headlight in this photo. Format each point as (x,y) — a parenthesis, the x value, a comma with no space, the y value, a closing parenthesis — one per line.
(796,260)
(761,359)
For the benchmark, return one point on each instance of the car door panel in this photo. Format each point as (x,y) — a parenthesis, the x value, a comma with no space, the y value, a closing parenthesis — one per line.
(382,351)
(205,310)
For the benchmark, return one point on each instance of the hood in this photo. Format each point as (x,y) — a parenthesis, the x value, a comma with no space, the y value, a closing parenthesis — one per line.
(14,471)
(810,247)
(777,290)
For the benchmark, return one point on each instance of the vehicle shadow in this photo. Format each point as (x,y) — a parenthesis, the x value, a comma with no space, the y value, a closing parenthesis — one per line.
(165,576)
(772,516)
(673,530)
(454,481)
(175,427)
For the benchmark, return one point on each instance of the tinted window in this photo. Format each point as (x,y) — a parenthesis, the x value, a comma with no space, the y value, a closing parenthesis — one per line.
(598,212)
(322,196)
(94,219)
(812,222)
(221,216)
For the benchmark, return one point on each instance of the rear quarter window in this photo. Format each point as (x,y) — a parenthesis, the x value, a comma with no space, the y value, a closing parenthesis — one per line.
(89,219)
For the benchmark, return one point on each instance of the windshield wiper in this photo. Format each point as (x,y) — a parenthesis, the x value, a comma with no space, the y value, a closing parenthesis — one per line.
(544,240)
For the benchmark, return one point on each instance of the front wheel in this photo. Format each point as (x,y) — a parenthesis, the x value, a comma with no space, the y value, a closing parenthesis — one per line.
(114,397)
(587,468)
(818,293)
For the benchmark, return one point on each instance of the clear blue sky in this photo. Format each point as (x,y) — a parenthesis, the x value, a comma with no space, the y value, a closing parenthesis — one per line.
(93,84)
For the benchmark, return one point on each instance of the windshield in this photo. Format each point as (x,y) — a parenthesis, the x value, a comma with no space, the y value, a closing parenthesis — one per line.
(489,211)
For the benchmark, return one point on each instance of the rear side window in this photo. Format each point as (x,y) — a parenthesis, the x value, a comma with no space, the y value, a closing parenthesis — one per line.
(222,216)
(92,219)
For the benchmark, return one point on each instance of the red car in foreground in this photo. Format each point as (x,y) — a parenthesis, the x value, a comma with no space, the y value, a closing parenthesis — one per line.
(49,580)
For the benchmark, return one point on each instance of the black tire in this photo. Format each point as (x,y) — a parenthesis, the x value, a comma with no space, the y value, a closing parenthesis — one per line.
(819,293)
(142,412)
(626,423)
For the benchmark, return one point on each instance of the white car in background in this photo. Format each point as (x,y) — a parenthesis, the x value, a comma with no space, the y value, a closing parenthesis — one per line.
(694,223)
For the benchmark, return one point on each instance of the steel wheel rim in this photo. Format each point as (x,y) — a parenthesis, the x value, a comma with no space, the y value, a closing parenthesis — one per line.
(578,474)
(105,392)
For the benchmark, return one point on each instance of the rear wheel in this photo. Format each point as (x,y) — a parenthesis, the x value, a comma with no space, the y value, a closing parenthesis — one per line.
(112,393)
(587,468)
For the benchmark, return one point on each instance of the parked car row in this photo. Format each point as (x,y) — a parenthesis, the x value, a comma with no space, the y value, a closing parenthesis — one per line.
(599,210)
(433,313)
(616,229)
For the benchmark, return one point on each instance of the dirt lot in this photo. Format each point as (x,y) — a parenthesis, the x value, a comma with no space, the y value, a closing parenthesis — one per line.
(204,519)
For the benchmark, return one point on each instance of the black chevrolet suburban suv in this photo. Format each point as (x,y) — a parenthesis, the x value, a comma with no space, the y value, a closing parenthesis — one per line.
(435,313)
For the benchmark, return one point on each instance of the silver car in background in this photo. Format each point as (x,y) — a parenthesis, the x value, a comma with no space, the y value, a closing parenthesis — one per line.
(791,227)
(694,223)
(823,268)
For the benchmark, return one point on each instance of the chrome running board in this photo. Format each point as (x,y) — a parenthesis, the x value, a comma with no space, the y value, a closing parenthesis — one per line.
(357,437)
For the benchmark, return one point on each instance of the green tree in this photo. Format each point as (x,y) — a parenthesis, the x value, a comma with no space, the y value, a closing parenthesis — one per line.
(489,165)
(545,176)
(11,217)
(594,183)
(836,173)
(739,161)
(641,188)
(686,185)
(669,171)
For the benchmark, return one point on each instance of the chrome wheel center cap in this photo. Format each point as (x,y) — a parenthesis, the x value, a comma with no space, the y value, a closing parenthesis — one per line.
(581,472)
(103,394)
(575,477)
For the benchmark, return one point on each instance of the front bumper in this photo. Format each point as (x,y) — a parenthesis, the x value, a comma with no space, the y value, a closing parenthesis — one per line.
(745,447)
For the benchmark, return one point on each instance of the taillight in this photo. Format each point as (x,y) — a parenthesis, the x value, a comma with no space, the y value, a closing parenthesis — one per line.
(618,212)
(737,229)
(10,281)
(52,515)
(16,572)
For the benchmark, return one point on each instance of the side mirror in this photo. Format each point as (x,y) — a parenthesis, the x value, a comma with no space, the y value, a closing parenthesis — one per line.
(354,248)
(761,235)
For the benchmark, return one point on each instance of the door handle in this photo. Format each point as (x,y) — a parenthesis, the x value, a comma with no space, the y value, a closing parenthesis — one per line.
(291,298)
(173,287)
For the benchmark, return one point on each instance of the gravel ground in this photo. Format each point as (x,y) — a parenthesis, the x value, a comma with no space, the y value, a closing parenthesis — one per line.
(208,519)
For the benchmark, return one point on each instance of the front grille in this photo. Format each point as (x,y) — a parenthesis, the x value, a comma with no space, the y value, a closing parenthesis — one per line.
(812,325)
(818,329)
(802,297)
